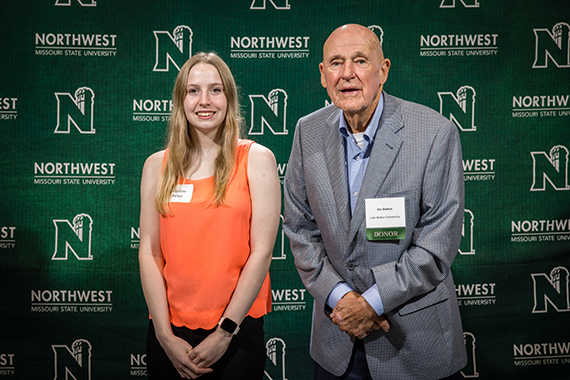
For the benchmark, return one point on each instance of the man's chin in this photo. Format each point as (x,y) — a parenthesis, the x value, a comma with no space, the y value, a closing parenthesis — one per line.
(350,108)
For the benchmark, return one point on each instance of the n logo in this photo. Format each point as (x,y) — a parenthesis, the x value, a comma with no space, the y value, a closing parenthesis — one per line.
(551,290)
(175,48)
(466,246)
(84,3)
(555,45)
(378,31)
(277,4)
(73,364)
(466,3)
(470,370)
(460,109)
(275,367)
(552,167)
(76,110)
(270,113)
(74,237)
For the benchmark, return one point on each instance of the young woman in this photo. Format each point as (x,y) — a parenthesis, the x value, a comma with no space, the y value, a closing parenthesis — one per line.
(210,207)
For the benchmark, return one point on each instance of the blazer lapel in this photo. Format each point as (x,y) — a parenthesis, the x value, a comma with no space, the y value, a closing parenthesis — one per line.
(385,149)
(333,148)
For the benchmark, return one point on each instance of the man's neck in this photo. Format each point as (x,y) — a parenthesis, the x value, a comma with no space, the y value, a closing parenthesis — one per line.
(358,122)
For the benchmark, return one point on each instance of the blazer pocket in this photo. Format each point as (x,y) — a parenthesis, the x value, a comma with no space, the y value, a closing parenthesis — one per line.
(438,295)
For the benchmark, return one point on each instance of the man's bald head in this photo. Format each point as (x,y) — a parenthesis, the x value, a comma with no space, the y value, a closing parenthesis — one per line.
(349,32)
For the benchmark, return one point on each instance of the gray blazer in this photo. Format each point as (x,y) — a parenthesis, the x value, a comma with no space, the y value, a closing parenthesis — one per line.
(416,154)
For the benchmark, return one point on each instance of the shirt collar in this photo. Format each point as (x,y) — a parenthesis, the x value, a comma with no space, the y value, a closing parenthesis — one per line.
(372,126)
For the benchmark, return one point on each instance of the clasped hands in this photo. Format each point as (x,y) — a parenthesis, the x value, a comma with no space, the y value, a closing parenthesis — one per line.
(193,362)
(354,315)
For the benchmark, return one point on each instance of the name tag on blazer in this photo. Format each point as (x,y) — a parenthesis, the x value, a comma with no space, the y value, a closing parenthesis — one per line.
(385,218)
(182,194)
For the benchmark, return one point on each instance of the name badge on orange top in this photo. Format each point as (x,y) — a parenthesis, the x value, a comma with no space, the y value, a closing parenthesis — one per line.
(385,219)
(182,194)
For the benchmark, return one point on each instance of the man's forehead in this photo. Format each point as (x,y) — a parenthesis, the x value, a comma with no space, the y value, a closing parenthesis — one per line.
(351,38)
(347,49)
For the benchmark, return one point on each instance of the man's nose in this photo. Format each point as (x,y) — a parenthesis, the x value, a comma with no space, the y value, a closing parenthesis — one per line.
(348,70)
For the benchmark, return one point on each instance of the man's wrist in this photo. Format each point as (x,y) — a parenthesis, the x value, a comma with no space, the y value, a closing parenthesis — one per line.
(372,296)
(339,291)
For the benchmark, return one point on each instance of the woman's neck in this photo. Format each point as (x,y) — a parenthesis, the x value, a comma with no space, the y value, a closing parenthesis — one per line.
(204,158)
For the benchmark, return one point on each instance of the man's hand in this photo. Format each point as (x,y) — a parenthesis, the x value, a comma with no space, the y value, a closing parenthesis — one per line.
(355,316)
(381,323)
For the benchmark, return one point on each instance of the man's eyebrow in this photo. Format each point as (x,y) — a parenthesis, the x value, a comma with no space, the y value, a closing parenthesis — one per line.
(334,57)
(360,54)
(356,54)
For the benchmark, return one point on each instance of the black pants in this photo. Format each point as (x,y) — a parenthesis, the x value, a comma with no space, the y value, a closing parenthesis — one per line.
(244,359)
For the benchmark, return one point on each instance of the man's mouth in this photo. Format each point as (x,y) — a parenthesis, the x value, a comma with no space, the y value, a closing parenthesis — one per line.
(349,90)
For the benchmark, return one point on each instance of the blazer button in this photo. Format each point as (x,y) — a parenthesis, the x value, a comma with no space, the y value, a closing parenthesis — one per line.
(350,266)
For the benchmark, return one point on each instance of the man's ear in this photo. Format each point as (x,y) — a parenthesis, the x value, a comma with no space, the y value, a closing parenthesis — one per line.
(323,81)
(384,69)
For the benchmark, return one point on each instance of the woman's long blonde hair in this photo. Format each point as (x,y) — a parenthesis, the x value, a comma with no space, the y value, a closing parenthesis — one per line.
(182,139)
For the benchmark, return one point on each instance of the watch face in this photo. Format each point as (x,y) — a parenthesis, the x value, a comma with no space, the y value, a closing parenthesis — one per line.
(228,325)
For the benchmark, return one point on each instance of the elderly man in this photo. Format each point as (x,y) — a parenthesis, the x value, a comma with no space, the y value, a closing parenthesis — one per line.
(373,210)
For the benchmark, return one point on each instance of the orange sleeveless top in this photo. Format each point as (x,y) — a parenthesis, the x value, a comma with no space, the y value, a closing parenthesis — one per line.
(205,248)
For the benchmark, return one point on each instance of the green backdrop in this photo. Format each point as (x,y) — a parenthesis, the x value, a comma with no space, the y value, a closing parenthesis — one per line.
(85,91)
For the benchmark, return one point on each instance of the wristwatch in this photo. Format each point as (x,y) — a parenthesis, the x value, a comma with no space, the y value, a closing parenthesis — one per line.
(228,326)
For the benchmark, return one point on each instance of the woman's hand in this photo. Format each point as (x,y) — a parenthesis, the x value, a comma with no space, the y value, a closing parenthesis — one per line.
(178,350)
(211,349)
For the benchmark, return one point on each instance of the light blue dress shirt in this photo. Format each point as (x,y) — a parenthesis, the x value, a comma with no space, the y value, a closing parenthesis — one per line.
(356,160)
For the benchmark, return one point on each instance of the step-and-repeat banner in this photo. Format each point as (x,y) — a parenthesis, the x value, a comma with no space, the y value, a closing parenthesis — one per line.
(85,88)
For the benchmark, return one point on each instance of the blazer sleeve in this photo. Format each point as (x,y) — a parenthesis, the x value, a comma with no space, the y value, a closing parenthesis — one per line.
(437,234)
(300,226)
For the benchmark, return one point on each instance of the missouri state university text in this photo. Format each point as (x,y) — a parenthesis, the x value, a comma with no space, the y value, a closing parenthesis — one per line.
(458,45)
(98,301)
(74,173)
